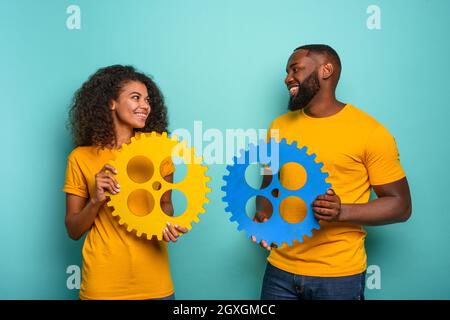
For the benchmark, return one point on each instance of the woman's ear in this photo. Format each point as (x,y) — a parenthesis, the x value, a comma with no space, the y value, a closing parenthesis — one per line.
(112,105)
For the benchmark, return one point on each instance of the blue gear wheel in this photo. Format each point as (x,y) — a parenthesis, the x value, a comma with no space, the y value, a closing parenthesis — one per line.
(276,229)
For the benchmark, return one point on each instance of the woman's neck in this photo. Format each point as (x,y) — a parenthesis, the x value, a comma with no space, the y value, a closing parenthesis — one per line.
(123,135)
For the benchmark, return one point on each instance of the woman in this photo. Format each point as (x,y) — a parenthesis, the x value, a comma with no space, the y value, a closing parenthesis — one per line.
(109,108)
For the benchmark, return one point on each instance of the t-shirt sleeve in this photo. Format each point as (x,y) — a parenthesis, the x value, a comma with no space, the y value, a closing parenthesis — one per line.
(273,131)
(382,158)
(167,167)
(75,181)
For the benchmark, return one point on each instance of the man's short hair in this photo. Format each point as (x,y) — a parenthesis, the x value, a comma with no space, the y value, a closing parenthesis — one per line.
(322,49)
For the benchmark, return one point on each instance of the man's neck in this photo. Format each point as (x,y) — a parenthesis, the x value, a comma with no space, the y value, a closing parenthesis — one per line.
(323,105)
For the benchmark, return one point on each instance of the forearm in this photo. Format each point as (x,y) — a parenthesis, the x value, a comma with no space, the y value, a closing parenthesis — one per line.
(167,208)
(77,224)
(384,210)
(263,207)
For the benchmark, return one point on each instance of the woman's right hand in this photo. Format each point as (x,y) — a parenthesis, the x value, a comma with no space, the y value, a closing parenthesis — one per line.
(105,181)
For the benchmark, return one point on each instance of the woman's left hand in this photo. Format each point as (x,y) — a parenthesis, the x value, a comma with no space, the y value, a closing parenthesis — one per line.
(172,232)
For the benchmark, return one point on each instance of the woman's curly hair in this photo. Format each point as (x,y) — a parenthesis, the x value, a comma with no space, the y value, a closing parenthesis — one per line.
(90,118)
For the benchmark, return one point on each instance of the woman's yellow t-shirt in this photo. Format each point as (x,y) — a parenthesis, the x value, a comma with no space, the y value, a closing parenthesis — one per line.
(116,264)
(357,152)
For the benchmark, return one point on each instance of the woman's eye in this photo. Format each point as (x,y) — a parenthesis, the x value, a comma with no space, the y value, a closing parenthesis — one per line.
(135,97)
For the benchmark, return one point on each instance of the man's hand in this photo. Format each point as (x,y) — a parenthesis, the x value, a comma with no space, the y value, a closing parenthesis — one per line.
(327,206)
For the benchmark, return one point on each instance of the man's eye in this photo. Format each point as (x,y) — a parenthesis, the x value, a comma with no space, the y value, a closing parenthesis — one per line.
(295,70)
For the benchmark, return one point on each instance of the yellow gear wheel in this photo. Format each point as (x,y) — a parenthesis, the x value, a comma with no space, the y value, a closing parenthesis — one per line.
(138,203)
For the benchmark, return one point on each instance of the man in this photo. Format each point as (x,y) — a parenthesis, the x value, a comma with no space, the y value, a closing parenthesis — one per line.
(359,154)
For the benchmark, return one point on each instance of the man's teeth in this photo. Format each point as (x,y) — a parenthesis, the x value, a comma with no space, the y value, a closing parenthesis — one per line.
(293,91)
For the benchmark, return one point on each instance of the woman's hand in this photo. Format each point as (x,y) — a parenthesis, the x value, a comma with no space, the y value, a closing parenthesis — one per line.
(105,181)
(171,233)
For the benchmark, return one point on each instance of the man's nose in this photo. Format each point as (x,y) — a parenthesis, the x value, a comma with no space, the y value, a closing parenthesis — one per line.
(288,79)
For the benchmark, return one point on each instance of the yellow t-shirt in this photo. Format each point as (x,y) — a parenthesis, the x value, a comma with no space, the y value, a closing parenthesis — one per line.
(116,264)
(357,152)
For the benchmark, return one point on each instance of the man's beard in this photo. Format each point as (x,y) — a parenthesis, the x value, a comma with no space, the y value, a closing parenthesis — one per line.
(306,92)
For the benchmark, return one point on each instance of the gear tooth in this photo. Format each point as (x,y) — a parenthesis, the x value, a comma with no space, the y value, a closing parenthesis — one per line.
(121,221)
(153,134)
(283,141)
(164,134)
(208,190)
(114,213)
(133,139)
(233,218)
(174,137)
(202,210)
(227,209)
(129,229)
(320,165)
(294,144)
(206,200)
(196,219)
(139,233)
(224,189)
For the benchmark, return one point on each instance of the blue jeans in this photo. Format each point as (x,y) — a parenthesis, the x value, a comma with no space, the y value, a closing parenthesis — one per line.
(282,285)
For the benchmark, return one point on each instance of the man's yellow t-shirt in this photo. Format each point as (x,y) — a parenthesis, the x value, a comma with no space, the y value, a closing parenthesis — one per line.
(116,264)
(357,152)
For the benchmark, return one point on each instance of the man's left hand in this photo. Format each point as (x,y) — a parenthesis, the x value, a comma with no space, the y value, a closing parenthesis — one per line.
(327,206)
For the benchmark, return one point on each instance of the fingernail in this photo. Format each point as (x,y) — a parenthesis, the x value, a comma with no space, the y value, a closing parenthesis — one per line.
(165,230)
(168,223)
(176,226)
(118,186)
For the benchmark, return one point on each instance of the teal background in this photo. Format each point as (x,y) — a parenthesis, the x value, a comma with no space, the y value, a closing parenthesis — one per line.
(221,62)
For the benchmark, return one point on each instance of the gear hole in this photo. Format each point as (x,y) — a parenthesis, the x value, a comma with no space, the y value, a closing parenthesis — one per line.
(156,185)
(177,166)
(265,209)
(292,176)
(258,176)
(178,201)
(140,202)
(140,169)
(297,209)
